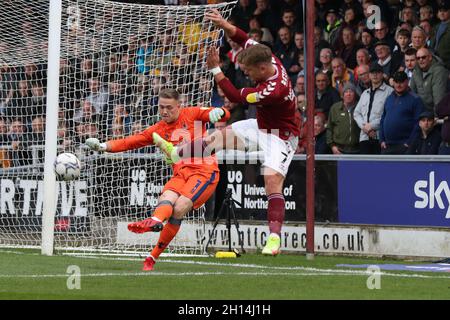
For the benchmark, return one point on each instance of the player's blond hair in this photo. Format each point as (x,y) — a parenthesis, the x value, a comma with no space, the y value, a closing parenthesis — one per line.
(169,93)
(255,55)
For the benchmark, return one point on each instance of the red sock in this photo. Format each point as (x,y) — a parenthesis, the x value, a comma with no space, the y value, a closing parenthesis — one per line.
(167,234)
(275,212)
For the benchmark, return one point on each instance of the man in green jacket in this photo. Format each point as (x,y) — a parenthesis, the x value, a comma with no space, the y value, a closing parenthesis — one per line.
(342,130)
(429,79)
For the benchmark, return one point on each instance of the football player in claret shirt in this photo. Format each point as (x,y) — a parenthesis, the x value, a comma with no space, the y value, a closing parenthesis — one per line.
(193,180)
(275,130)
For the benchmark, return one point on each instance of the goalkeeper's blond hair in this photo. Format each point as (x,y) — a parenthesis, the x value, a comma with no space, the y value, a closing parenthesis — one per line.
(255,55)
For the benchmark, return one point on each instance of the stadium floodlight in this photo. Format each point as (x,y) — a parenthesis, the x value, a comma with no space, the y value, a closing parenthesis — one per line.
(83,68)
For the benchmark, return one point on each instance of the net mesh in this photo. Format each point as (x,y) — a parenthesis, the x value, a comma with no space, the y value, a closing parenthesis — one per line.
(114,60)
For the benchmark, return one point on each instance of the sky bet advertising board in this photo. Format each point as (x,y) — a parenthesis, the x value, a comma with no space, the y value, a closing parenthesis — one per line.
(394,193)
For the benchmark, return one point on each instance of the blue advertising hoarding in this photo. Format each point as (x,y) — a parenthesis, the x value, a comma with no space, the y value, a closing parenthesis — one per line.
(394,193)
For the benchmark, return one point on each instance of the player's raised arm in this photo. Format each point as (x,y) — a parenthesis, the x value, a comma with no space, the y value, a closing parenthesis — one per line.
(215,17)
(236,34)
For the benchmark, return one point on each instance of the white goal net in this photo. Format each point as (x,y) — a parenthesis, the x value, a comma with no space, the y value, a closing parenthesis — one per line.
(115,58)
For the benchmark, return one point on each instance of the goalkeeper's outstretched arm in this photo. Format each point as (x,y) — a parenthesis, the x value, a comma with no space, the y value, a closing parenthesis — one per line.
(129,143)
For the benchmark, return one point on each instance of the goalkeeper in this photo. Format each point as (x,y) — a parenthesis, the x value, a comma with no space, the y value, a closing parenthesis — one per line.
(193,181)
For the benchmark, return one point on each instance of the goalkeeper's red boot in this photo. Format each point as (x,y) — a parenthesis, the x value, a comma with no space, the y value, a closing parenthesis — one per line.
(145,226)
(149,263)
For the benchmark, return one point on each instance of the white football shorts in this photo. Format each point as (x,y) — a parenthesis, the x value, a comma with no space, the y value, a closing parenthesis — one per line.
(278,153)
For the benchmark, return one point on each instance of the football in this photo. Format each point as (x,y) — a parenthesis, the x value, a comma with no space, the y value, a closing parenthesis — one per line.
(67,166)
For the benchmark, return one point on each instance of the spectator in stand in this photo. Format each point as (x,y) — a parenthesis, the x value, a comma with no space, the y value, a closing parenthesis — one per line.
(383,35)
(326,56)
(403,38)
(319,44)
(234,51)
(289,19)
(408,14)
(443,113)
(38,100)
(320,134)
(426,12)
(144,50)
(406,26)
(362,74)
(121,117)
(300,85)
(350,19)
(390,63)
(410,62)
(341,75)
(368,40)
(429,138)
(36,139)
(264,12)
(429,79)
(5,157)
(98,95)
(399,124)
(342,130)
(418,38)
(428,28)
(63,137)
(242,13)
(333,25)
(362,58)
(322,7)
(301,64)
(353,5)
(267,37)
(299,49)
(369,110)
(85,112)
(20,102)
(256,34)
(347,47)
(326,95)
(4,139)
(284,49)
(20,155)
(441,41)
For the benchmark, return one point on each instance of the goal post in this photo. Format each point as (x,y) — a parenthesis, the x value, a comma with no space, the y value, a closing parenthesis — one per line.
(73,69)
(51,127)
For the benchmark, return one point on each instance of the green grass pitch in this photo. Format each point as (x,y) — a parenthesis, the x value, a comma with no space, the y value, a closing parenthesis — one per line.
(25,274)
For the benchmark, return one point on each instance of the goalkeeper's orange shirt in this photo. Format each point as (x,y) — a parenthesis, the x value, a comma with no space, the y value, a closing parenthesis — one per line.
(191,124)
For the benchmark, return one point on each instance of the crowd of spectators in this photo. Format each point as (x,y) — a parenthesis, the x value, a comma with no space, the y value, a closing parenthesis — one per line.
(378,79)
(380,89)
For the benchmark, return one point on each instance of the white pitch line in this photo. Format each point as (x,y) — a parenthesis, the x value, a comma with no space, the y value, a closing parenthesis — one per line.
(190,274)
(176,274)
(308,269)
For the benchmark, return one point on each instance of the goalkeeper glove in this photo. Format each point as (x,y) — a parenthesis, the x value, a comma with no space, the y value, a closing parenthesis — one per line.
(216,114)
(95,144)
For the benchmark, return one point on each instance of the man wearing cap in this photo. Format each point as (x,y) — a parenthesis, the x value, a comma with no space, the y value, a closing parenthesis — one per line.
(399,122)
(429,79)
(342,130)
(369,109)
(334,22)
(389,62)
(441,40)
(429,139)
